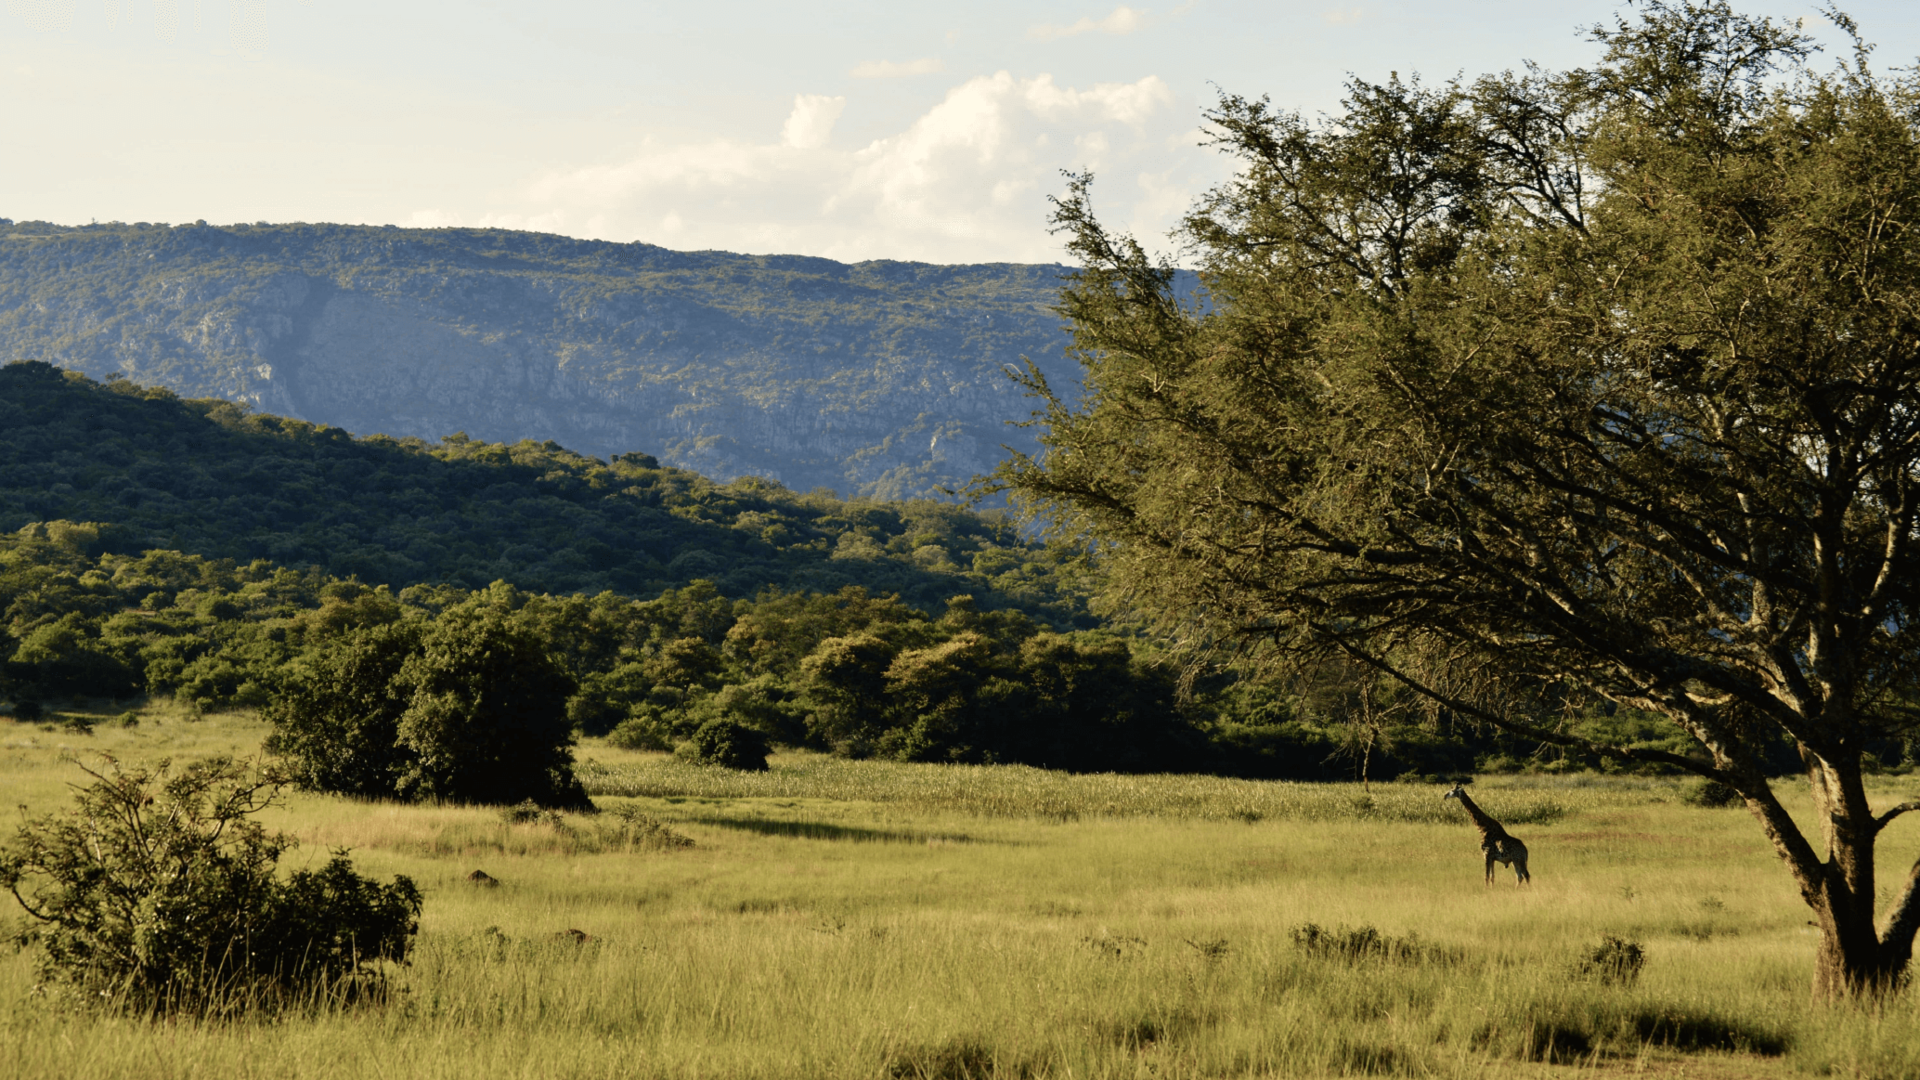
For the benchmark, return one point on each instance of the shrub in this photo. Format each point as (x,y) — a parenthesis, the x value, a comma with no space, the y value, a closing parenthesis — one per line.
(1713,794)
(531,813)
(644,730)
(337,718)
(157,894)
(486,717)
(1367,943)
(1615,961)
(730,744)
(470,707)
(649,832)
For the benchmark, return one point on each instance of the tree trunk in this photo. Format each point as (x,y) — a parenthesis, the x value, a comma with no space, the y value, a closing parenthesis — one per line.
(1853,962)
(1854,959)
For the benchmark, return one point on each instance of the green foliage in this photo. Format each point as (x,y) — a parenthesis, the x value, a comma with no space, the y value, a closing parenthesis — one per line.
(486,717)
(467,706)
(157,894)
(644,731)
(806,669)
(730,745)
(337,717)
(212,479)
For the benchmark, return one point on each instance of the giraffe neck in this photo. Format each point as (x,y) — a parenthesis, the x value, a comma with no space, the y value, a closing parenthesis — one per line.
(1489,828)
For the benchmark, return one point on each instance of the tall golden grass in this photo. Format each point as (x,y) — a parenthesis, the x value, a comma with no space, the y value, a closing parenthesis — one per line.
(854,919)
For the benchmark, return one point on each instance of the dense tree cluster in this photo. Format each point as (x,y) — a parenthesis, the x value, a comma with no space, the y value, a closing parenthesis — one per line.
(468,705)
(848,671)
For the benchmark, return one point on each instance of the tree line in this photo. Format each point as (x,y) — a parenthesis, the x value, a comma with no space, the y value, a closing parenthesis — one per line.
(348,672)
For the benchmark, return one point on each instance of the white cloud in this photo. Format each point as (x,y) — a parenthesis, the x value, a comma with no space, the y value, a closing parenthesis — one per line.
(811,122)
(965,181)
(1343,16)
(887,69)
(1124,20)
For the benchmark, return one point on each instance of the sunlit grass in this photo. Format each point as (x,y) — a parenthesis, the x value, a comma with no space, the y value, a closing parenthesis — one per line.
(1019,791)
(861,919)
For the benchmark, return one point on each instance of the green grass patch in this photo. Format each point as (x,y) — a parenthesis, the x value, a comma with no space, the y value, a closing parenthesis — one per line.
(837,919)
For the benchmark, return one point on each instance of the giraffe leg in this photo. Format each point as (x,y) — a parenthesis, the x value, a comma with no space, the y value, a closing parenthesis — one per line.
(1521,877)
(1491,858)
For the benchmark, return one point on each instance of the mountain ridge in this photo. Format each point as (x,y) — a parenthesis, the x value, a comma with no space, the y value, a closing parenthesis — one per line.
(882,379)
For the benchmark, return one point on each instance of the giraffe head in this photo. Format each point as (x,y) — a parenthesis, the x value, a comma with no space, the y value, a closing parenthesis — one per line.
(1458,791)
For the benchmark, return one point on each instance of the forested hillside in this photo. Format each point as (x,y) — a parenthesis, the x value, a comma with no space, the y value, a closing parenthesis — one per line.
(879,378)
(212,479)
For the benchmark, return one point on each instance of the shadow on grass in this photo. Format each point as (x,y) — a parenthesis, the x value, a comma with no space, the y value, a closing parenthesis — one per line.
(820,830)
(1568,1036)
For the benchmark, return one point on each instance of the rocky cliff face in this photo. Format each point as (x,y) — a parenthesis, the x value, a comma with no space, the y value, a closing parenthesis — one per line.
(884,379)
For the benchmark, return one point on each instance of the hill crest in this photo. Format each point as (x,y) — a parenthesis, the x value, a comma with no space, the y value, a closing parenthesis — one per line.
(883,379)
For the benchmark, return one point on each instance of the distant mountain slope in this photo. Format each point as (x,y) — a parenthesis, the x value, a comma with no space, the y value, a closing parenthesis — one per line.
(206,478)
(880,378)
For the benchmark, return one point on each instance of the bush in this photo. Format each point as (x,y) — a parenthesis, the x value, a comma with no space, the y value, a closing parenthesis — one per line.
(644,730)
(337,718)
(1713,794)
(1615,961)
(729,744)
(486,718)
(157,894)
(646,831)
(470,707)
(532,813)
(1366,943)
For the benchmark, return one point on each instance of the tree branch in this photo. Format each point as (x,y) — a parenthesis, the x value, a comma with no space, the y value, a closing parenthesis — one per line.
(1516,727)
(1886,819)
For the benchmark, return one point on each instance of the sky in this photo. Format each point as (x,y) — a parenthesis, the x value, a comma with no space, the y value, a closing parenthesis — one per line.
(928,132)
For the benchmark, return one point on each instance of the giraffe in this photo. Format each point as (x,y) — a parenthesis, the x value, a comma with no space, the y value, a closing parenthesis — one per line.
(1500,847)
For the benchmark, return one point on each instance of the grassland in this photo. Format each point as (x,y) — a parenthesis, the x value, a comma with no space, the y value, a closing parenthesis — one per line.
(837,919)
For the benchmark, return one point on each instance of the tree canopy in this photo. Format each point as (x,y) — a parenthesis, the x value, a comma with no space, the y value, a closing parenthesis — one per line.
(1539,390)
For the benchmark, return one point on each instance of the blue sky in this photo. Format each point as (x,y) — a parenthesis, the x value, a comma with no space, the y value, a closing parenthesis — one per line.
(854,131)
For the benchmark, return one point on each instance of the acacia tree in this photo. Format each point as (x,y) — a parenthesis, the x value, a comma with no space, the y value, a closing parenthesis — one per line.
(1596,383)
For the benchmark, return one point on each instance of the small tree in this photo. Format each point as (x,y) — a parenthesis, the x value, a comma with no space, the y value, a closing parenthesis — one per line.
(337,721)
(471,707)
(486,717)
(157,893)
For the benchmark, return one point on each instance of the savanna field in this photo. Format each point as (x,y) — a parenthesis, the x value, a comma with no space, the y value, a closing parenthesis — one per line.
(831,918)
